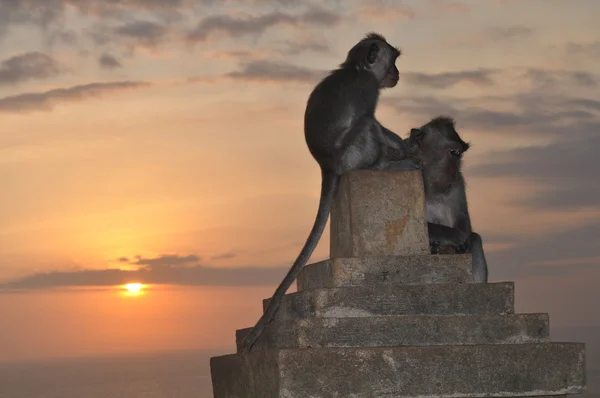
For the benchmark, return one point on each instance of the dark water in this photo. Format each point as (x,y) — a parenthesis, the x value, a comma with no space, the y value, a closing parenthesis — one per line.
(170,375)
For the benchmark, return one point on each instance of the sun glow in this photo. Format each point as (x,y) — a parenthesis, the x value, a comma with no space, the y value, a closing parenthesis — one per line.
(133,288)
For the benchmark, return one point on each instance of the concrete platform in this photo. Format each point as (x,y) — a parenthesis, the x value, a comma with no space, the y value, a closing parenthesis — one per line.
(409,330)
(440,371)
(433,299)
(386,270)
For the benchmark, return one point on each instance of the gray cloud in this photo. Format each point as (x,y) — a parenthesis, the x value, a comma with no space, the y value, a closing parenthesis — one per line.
(301,46)
(479,77)
(144,33)
(256,25)
(28,66)
(542,108)
(568,168)
(166,269)
(591,50)
(270,71)
(557,252)
(167,260)
(45,101)
(551,79)
(107,61)
(500,33)
(50,13)
(224,256)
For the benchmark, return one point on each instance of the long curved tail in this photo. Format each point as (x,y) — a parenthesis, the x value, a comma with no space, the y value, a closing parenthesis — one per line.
(329,184)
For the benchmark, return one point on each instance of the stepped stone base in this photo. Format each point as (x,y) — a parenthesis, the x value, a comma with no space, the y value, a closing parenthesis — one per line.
(386,372)
(438,299)
(391,331)
(383,318)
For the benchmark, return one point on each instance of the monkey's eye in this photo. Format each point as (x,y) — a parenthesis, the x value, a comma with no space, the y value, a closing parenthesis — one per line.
(455,152)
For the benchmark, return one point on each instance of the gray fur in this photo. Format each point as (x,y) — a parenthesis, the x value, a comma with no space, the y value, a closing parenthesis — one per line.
(438,149)
(342,134)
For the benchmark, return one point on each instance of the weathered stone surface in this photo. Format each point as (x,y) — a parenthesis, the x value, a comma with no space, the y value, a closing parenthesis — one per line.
(386,270)
(409,330)
(440,299)
(378,213)
(443,371)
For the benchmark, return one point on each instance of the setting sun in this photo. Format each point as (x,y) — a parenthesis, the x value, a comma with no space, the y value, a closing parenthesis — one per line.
(133,287)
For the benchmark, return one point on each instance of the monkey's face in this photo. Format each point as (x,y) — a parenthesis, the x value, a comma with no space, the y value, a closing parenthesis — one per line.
(391,77)
(440,157)
(381,61)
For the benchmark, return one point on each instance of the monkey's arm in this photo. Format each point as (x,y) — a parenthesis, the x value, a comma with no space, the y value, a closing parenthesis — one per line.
(393,140)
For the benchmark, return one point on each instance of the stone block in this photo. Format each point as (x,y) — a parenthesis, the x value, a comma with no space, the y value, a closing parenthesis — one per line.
(494,370)
(379,213)
(408,330)
(433,299)
(386,270)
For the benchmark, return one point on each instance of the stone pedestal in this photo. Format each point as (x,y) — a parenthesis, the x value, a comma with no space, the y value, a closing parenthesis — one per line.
(384,318)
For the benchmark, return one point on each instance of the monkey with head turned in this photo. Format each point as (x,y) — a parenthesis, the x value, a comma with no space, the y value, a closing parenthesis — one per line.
(438,149)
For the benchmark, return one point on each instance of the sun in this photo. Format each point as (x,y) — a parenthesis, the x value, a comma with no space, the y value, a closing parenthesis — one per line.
(134,287)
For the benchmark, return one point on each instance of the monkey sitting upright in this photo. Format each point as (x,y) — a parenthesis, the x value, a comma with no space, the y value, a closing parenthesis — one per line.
(342,135)
(438,149)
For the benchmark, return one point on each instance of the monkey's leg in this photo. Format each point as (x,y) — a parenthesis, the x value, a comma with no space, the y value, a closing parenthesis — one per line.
(480,270)
(360,147)
(443,235)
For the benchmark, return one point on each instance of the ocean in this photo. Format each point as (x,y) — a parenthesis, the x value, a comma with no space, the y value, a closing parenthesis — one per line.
(165,375)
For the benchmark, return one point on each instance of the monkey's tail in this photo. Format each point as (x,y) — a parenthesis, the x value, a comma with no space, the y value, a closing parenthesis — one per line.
(479,267)
(329,185)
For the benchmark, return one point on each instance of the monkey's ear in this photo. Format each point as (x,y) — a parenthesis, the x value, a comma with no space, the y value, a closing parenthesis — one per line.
(417,135)
(372,55)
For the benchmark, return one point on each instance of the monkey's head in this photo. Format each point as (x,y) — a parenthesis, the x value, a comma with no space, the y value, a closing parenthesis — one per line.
(439,150)
(373,53)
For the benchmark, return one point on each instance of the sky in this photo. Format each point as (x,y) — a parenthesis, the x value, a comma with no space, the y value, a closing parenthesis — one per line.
(162,140)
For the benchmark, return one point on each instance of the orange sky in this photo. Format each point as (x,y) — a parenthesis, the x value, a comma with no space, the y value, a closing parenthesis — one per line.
(169,134)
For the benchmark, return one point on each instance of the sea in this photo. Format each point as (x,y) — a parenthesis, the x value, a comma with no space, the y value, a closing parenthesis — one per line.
(160,375)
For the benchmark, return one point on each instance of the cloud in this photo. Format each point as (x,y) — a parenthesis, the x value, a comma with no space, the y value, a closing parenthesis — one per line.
(165,269)
(50,13)
(107,61)
(557,252)
(46,101)
(379,10)
(591,49)
(543,107)
(168,260)
(567,171)
(270,71)
(478,77)
(256,25)
(553,79)
(28,66)
(142,33)
(501,33)
(294,47)
(224,256)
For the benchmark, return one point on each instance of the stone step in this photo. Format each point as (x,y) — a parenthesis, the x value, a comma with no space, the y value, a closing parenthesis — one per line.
(443,371)
(432,299)
(386,270)
(407,330)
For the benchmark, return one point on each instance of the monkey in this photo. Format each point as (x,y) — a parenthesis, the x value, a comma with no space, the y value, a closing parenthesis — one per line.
(342,134)
(438,150)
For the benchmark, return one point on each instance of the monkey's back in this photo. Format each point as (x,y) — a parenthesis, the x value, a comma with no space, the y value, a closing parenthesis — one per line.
(334,106)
